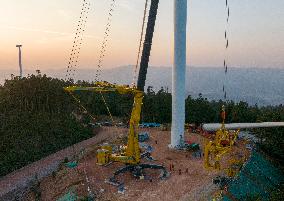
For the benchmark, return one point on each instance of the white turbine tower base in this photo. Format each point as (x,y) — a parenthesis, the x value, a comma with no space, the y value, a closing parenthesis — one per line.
(178,79)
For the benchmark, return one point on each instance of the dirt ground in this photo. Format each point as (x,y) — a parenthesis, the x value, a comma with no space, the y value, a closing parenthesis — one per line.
(188,179)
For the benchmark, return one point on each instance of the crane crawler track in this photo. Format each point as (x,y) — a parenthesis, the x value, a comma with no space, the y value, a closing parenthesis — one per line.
(137,171)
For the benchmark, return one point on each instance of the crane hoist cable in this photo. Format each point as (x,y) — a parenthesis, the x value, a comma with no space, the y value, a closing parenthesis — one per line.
(75,51)
(107,107)
(140,44)
(224,139)
(105,40)
(81,106)
(77,42)
(73,63)
(74,56)
(76,47)
(103,49)
(87,112)
(225,64)
(102,53)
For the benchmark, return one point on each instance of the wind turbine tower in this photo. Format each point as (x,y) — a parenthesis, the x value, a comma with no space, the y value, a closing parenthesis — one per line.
(20,60)
(178,79)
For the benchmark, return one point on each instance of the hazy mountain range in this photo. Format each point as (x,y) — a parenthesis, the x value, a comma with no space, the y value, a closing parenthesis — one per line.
(254,85)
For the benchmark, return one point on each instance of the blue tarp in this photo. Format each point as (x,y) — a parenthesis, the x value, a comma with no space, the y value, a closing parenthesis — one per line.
(143,136)
(148,125)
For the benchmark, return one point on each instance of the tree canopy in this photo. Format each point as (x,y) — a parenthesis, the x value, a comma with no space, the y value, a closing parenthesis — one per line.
(37,117)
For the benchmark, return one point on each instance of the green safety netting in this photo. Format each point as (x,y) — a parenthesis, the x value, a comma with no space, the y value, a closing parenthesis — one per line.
(258,177)
(71,164)
(69,196)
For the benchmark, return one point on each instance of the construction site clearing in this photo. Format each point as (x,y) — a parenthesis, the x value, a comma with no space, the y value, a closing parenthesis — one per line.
(188,179)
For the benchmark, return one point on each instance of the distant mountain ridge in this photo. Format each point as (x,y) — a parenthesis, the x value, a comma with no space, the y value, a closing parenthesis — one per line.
(253,85)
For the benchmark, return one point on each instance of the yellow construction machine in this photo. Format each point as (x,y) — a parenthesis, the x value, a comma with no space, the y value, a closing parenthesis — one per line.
(222,144)
(130,155)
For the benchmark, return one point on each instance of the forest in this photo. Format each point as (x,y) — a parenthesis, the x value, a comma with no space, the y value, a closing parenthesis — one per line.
(37,117)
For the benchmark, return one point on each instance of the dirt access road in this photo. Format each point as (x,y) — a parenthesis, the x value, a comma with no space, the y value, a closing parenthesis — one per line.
(14,184)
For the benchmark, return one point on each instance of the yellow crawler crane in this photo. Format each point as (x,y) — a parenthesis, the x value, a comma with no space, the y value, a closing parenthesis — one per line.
(222,144)
(131,154)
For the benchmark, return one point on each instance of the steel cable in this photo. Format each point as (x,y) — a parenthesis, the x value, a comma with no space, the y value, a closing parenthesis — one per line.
(105,40)
(77,42)
(225,64)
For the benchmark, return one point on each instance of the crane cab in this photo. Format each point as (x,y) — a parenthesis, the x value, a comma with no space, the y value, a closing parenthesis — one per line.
(103,154)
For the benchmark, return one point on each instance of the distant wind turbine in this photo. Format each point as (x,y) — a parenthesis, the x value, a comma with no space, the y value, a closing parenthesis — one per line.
(20,60)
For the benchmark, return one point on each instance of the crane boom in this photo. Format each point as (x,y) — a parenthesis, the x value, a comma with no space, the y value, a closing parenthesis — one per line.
(147,45)
(131,155)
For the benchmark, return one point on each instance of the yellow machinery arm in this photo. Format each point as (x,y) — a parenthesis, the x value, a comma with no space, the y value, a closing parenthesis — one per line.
(222,144)
(131,155)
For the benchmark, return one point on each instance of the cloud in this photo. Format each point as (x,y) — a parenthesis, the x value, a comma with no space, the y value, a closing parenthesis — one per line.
(127,5)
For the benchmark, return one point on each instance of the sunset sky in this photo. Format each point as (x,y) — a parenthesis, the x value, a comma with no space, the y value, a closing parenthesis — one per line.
(46,30)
